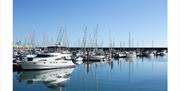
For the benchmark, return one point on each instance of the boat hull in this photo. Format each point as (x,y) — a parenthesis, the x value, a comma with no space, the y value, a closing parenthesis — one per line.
(131,55)
(96,58)
(150,55)
(46,65)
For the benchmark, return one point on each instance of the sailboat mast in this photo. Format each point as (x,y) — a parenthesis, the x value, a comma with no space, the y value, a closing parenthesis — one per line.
(85,36)
(96,41)
(137,43)
(129,39)
(58,37)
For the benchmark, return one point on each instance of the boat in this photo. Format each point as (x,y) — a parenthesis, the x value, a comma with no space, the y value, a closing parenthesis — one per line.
(119,55)
(149,53)
(162,53)
(96,57)
(67,55)
(51,78)
(79,60)
(131,54)
(46,61)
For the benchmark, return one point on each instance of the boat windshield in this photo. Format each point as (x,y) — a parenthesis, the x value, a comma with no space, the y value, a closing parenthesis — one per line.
(44,55)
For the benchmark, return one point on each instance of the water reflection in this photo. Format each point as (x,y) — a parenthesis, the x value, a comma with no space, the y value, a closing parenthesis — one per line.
(54,78)
(131,63)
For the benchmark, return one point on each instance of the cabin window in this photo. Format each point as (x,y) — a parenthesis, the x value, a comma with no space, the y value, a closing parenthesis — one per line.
(58,59)
(44,62)
(30,59)
(63,62)
(59,76)
(44,55)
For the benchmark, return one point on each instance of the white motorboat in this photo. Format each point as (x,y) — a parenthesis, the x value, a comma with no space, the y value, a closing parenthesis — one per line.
(131,54)
(46,61)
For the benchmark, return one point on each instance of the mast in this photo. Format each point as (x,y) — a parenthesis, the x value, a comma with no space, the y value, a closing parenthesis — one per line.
(84,37)
(45,41)
(96,41)
(142,43)
(129,39)
(124,44)
(32,40)
(152,43)
(95,38)
(58,40)
(25,42)
(66,41)
(132,42)
(113,45)
(137,43)
(110,45)
(120,44)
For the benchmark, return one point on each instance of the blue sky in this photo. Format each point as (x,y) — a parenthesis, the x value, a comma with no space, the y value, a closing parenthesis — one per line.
(145,19)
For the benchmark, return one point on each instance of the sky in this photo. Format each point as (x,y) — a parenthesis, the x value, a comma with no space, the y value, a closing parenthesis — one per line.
(146,20)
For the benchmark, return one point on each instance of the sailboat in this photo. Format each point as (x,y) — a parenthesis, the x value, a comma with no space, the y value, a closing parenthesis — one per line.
(96,55)
(130,54)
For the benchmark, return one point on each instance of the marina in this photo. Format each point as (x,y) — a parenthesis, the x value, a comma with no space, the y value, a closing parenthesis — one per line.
(58,68)
(61,67)
(126,74)
(44,56)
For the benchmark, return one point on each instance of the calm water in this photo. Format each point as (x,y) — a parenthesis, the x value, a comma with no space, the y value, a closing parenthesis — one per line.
(140,74)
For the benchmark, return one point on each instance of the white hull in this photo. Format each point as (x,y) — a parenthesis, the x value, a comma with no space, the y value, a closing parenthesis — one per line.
(47,61)
(131,55)
(96,58)
(79,59)
(150,55)
(122,55)
(162,53)
(46,65)
(79,62)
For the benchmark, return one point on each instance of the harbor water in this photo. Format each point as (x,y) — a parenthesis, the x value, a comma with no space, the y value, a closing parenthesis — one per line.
(124,74)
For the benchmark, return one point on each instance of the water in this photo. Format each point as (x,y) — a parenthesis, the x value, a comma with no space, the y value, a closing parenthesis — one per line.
(140,74)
